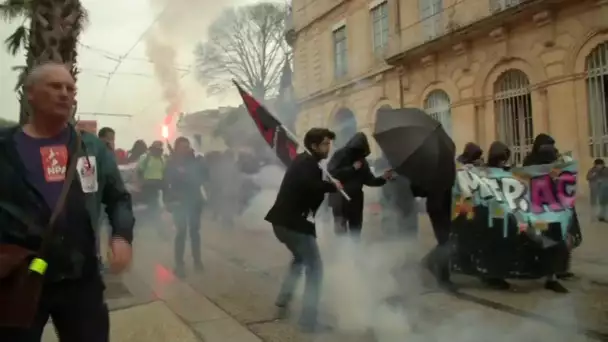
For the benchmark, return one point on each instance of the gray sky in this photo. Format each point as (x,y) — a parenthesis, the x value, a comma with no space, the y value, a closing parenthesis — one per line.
(114,27)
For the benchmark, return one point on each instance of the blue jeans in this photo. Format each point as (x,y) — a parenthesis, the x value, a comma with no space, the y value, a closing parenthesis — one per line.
(306,257)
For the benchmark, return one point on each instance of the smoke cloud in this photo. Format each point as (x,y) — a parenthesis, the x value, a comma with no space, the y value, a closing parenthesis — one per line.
(179,25)
(378,287)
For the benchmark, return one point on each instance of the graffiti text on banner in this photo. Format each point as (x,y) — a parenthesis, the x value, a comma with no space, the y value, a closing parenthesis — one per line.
(534,195)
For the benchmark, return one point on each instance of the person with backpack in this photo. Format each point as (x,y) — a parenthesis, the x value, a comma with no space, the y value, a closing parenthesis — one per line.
(150,170)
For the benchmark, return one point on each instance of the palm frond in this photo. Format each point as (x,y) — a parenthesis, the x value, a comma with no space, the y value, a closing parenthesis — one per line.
(13,9)
(23,71)
(16,40)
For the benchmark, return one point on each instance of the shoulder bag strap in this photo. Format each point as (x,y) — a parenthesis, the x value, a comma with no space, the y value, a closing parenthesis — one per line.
(67,184)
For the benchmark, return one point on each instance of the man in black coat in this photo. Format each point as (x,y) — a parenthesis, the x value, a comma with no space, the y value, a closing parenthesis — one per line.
(348,165)
(292,216)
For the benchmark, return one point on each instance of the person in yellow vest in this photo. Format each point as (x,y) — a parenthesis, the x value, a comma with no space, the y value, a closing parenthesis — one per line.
(150,170)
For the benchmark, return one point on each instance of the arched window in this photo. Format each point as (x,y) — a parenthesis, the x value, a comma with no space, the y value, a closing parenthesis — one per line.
(438,105)
(345,126)
(597,99)
(513,109)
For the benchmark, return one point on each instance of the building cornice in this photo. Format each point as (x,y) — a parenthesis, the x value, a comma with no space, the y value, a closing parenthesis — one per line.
(320,16)
(338,88)
(471,31)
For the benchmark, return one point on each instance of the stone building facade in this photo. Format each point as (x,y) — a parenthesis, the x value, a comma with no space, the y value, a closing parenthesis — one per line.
(487,69)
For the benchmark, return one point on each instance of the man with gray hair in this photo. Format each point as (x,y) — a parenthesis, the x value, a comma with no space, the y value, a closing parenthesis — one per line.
(54,180)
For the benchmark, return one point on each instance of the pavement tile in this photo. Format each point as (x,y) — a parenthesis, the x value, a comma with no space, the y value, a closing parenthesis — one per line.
(224,330)
(153,322)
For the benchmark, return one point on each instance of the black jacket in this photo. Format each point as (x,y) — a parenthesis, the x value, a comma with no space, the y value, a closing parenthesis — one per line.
(24,213)
(543,151)
(183,178)
(341,166)
(300,195)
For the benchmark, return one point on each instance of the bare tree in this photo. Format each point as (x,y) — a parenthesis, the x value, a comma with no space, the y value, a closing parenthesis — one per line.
(245,44)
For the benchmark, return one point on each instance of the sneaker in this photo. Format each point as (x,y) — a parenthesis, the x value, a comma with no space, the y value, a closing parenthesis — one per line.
(282,312)
(179,272)
(555,286)
(565,276)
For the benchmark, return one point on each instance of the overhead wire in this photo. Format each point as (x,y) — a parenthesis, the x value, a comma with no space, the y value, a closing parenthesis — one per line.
(126,54)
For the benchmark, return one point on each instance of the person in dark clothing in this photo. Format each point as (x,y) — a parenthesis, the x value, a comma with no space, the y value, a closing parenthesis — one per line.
(472,154)
(184,175)
(399,206)
(555,258)
(597,177)
(439,210)
(108,136)
(543,151)
(499,155)
(349,166)
(139,149)
(33,163)
(292,216)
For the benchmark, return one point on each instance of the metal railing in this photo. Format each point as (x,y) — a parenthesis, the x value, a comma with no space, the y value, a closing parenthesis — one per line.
(459,14)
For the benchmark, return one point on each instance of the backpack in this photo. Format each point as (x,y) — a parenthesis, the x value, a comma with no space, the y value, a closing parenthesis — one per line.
(144,166)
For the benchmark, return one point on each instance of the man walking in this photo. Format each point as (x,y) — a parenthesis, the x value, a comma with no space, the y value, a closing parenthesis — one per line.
(292,216)
(107,135)
(35,177)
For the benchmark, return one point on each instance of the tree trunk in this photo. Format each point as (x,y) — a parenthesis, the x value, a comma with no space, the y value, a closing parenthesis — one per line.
(54,30)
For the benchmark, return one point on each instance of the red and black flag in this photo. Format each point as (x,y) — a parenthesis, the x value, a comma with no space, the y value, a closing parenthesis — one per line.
(272,130)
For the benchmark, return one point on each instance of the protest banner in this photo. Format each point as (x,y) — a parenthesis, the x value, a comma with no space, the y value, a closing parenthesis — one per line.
(535,196)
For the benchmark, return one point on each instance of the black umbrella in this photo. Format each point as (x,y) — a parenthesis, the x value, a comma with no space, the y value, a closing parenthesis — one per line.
(417,147)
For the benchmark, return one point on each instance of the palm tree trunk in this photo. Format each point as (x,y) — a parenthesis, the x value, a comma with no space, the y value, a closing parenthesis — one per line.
(55,26)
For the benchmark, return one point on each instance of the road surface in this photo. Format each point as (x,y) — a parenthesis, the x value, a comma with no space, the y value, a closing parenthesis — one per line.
(376,293)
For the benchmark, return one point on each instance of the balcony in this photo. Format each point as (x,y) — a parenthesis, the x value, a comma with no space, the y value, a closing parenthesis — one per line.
(462,20)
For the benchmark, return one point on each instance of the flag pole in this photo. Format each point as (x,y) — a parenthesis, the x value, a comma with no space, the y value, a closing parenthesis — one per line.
(295,138)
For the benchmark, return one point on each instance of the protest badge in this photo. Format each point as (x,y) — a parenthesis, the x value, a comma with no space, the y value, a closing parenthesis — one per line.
(535,196)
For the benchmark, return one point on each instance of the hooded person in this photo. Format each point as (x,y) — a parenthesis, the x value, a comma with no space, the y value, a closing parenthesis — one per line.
(499,155)
(349,166)
(557,258)
(496,248)
(543,151)
(472,154)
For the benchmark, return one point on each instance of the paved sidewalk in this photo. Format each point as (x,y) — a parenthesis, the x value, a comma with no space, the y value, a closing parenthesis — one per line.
(153,305)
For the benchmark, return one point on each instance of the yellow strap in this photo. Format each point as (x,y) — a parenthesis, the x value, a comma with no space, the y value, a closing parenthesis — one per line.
(39,266)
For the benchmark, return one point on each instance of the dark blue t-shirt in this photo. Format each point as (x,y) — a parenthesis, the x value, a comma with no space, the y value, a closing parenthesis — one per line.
(45,162)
